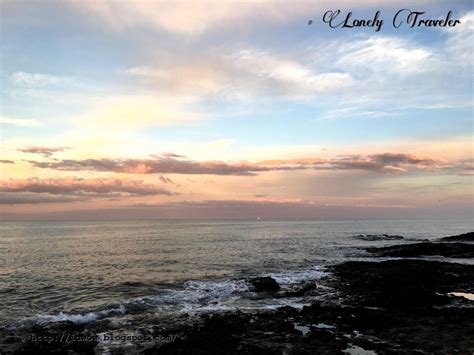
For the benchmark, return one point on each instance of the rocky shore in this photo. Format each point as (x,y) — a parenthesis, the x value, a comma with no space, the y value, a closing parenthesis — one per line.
(406,305)
(459,246)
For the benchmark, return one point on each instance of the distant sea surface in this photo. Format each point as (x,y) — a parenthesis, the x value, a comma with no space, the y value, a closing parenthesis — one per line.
(84,271)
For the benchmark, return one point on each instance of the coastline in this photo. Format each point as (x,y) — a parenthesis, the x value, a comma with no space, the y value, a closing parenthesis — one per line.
(402,305)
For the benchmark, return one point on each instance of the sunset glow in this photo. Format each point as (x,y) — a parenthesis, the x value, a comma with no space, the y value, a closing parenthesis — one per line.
(139,109)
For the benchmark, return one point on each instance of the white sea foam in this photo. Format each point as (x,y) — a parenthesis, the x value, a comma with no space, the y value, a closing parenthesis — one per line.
(218,287)
(298,276)
(324,326)
(77,318)
(304,329)
(357,350)
(195,292)
(194,296)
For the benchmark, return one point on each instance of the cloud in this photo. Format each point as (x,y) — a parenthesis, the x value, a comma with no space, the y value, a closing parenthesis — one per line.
(165,180)
(5,161)
(382,163)
(397,159)
(196,17)
(286,77)
(19,122)
(241,74)
(28,198)
(369,76)
(73,186)
(459,44)
(466,164)
(380,54)
(385,68)
(37,79)
(152,166)
(44,151)
(385,162)
(172,155)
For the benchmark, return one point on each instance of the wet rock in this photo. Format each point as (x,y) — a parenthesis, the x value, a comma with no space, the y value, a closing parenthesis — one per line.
(219,333)
(264,284)
(402,283)
(58,339)
(389,307)
(301,290)
(466,237)
(452,250)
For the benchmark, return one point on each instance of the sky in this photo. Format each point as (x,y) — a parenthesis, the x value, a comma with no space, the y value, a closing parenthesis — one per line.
(222,109)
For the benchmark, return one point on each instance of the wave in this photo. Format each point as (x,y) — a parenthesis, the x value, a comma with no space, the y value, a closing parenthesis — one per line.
(376,237)
(77,318)
(289,278)
(193,296)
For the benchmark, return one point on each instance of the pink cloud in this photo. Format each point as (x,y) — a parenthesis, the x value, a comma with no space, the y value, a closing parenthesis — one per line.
(153,166)
(382,163)
(28,198)
(44,151)
(73,186)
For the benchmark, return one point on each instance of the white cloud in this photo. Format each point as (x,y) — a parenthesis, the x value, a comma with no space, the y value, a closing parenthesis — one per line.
(382,54)
(37,79)
(366,74)
(356,112)
(196,17)
(286,76)
(393,75)
(241,74)
(459,45)
(19,122)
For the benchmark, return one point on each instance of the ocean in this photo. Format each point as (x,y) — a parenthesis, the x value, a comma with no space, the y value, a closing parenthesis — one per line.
(87,271)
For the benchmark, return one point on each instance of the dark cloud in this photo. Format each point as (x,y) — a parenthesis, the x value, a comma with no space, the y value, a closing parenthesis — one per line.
(173,156)
(397,159)
(383,163)
(30,198)
(153,166)
(44,151)
(165,180)
(3,161)
(97,188)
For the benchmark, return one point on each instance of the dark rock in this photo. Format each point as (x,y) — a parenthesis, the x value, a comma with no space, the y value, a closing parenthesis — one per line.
(387,307)
(301,291)
(402,283)
(324,342)
(264,284)
(466,237)
(452,250)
